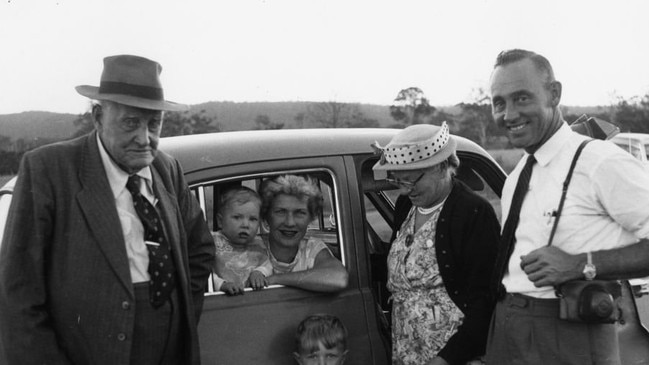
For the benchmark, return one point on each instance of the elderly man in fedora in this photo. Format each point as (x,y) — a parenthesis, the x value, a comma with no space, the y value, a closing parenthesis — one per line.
(106,252)
(440,262)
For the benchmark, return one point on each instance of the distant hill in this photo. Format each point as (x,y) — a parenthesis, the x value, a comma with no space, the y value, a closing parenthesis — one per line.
(230,115)
(241,116)
(30,125)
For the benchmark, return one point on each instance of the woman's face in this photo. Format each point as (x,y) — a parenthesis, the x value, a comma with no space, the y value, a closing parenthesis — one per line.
(431,185)
(288,219)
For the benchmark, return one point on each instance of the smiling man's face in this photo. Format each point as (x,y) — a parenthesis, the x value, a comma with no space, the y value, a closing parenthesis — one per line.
(524,102)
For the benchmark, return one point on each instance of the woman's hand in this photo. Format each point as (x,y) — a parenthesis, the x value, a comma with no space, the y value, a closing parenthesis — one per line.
(257,280)
(438,361)
(231,288)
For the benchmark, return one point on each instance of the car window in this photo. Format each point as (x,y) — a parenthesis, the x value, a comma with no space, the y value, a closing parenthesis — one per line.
(323,227)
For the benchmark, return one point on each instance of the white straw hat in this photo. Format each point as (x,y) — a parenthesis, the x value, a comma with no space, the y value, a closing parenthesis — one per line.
(415,147)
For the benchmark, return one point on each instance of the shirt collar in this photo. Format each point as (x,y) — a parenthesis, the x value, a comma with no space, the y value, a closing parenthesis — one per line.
(553,146)
(116,176)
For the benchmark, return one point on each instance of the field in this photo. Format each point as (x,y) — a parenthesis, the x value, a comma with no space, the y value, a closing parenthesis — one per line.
(507,159)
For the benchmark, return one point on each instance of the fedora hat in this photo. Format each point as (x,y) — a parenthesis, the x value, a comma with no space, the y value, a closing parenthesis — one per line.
(416,147)
(131,80)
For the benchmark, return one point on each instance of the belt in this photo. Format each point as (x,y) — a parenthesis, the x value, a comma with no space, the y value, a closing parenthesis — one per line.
(531,304)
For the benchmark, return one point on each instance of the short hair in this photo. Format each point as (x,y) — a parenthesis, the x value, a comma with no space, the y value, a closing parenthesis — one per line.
(238,194)
(303,188)
(320,328)
(514,55)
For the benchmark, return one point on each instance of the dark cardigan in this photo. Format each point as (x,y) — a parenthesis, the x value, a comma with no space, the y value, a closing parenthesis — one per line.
(466,241)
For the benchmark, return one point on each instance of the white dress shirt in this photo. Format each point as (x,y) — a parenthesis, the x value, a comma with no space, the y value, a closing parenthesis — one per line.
(606,205)
(132,228)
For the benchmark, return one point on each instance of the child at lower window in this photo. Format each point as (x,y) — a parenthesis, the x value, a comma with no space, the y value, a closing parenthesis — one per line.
(321,339)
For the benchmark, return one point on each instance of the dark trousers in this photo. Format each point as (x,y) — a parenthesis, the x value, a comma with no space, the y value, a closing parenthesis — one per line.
(528,331)
(155,336)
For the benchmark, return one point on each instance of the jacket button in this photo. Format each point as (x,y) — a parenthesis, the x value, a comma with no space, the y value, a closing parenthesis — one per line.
(121,336)
(444,252)
(126,305)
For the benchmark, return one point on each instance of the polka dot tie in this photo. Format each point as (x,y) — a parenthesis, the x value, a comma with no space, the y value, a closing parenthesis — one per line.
(161,266)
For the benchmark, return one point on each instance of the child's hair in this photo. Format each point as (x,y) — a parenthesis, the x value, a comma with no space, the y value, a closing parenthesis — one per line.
(320,328)
(240,195)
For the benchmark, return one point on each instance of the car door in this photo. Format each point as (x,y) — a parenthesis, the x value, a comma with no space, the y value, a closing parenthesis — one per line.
(259,326)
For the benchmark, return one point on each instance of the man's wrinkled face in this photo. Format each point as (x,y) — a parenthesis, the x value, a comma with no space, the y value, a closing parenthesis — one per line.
(130,135)
(523,102)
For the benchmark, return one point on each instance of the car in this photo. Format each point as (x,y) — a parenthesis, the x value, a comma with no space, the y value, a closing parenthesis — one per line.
(356,223)
(636,144)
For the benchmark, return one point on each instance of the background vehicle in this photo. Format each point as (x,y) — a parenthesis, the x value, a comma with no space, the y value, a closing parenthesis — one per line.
(357,223)
(636,144)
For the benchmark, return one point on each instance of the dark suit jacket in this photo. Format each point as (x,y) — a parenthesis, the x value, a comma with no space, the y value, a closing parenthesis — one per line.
(466,243)
(66,295)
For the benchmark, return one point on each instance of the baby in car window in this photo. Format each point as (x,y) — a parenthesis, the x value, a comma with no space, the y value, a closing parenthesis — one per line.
(241,258)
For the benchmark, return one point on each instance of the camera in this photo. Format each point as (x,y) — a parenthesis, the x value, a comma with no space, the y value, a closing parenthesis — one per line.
(589,301)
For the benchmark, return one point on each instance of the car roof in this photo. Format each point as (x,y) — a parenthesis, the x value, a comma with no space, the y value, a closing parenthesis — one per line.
(201,151)
(641,137)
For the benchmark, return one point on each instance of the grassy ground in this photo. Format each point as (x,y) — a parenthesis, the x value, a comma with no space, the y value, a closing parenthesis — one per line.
(507,159)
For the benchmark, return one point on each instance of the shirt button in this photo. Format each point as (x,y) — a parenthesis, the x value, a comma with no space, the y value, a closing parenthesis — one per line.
(456,292)
(121,336)
(126,305)
(444,251)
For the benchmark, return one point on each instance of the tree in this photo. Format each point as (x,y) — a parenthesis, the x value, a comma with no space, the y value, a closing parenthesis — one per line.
(263,122)
(332,114)
(475,118)
(411,107)
(183,123)
(632,115)
(84,124)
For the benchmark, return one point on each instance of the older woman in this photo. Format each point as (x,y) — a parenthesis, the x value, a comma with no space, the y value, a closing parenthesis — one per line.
(289,204)
(440,263)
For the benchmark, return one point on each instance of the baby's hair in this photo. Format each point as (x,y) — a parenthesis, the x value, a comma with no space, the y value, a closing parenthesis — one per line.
(320,328)
(240,195)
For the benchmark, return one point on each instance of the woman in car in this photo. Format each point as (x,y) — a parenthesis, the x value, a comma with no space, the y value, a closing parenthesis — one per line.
(289,204)
(440,263)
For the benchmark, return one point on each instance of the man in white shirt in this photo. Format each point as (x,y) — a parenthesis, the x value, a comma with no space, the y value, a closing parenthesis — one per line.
(602,232)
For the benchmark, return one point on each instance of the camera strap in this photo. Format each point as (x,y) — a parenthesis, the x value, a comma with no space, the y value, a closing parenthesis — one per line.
(565,188)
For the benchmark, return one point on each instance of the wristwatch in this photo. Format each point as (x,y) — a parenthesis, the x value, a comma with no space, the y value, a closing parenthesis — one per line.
(589,269)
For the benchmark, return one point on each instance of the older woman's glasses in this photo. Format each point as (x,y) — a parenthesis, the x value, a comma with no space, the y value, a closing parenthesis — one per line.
(404,183)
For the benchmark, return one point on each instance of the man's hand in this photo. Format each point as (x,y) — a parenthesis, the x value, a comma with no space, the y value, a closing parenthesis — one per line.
(550,266)
(231,288)
(257,280)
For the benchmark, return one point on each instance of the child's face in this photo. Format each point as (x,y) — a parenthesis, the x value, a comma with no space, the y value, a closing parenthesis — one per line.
(323,356)
(239,222)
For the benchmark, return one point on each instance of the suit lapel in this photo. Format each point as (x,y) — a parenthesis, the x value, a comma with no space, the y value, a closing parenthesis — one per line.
(98,205)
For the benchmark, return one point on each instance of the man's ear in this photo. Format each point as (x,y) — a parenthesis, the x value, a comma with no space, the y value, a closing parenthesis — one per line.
(97,114)
(555,93)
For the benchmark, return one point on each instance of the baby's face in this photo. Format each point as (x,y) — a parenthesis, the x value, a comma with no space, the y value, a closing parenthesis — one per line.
(322,356)
(240,222)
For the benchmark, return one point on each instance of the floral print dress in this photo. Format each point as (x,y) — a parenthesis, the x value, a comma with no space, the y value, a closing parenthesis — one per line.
(423,315)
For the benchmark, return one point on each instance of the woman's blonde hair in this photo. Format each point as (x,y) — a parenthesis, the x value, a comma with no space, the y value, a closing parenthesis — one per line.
(303,188)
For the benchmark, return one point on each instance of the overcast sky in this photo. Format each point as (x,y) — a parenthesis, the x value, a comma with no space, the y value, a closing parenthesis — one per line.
(312,50)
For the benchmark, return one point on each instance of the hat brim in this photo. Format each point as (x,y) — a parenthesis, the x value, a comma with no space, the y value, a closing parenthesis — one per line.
(381,169)
(92,92)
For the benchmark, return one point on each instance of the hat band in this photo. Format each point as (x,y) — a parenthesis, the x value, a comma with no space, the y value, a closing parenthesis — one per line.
(146,92)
